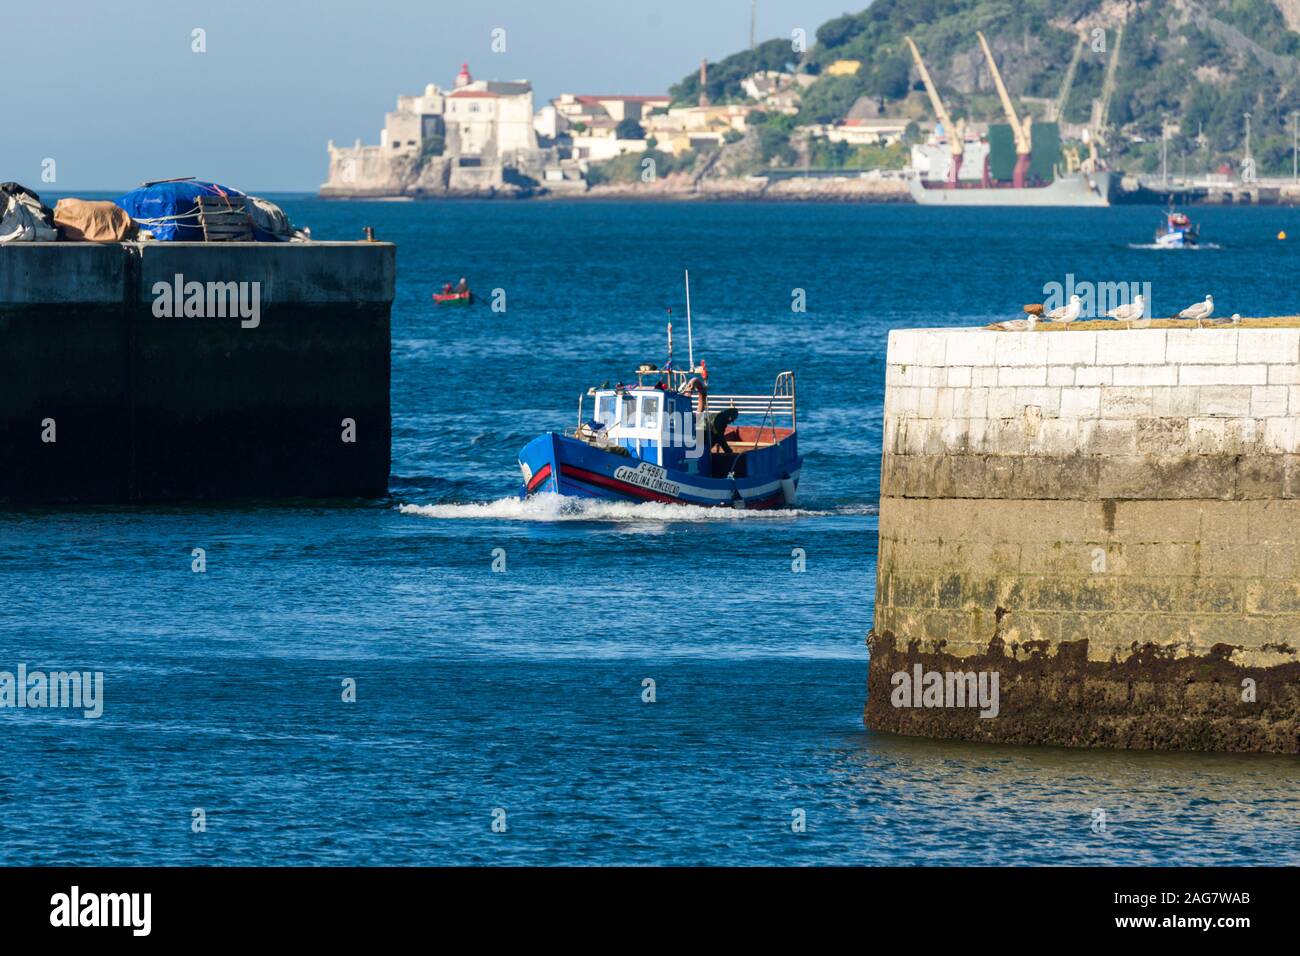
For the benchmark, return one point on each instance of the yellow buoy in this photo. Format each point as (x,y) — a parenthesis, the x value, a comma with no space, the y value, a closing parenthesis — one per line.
(1282,234)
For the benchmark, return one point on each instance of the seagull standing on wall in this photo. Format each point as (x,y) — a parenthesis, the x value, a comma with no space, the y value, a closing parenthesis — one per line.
(1068,312)
(1198,312)
(1127,313)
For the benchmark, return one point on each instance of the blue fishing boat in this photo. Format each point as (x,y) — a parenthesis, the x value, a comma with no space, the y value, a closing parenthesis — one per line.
(1178,232)
(667,438)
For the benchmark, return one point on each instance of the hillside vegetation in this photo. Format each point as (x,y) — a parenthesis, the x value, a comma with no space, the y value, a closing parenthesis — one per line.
(1201,65)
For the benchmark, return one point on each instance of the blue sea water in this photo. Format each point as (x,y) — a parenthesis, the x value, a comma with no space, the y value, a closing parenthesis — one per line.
(480,694)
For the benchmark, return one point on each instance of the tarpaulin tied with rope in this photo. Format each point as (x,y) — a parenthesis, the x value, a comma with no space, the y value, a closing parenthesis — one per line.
(171,211)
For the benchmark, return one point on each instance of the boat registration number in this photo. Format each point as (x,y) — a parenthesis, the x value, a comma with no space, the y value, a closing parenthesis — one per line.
(646,475)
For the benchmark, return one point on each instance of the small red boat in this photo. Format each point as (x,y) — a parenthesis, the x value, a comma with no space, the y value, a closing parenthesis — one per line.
(453,298)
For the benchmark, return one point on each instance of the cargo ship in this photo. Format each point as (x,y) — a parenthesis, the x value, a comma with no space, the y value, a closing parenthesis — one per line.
(1019,164)
(1075,189)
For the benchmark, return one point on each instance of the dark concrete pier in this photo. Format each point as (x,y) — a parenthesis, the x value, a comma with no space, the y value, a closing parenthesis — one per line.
(173,371)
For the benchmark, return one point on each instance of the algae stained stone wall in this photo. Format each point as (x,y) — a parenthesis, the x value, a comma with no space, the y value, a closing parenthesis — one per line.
(1107,520)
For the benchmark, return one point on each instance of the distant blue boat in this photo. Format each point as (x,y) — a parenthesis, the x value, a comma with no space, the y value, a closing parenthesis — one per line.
(668,439)
(1178,232)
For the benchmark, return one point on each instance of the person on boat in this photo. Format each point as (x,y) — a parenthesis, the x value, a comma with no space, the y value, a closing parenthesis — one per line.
(695,385)
(462,286)
(446,288)
(719,422)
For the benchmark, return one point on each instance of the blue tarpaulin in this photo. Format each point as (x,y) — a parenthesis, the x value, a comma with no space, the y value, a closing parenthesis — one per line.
(170,210)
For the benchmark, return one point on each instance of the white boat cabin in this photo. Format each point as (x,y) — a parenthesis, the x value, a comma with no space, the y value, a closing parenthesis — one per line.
(662,424)
(653,424)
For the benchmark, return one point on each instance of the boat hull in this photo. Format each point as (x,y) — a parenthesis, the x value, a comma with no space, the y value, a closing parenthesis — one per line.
(560,465)
(453,298)
(1076,189)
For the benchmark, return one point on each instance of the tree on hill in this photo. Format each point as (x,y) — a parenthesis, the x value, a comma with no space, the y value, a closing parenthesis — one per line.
(838,32)
(725,76)
(629,129)
(830,99)
(889,77)
(1202,73)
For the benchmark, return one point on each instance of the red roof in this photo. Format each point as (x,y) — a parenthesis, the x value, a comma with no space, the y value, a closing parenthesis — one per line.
(477,94)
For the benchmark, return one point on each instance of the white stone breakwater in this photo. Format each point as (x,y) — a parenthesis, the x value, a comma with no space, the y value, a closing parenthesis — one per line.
(1110,519)
(1233,389)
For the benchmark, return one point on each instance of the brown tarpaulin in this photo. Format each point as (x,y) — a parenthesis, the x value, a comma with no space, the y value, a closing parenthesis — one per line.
(84,220)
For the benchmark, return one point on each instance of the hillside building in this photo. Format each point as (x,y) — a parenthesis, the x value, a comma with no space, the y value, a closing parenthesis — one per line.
(475,138)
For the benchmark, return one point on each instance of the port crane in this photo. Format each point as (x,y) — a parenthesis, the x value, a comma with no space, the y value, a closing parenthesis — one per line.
(1019,130)
(1058,108)
(1101,106)
(956,133)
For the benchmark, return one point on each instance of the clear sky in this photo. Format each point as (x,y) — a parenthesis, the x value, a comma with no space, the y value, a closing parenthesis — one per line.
(114,94)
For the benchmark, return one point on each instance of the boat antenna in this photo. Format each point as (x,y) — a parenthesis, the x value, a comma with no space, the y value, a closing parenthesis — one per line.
(690,342)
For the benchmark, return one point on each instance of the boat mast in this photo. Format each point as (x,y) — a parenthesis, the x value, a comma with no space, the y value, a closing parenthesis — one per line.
(690,343)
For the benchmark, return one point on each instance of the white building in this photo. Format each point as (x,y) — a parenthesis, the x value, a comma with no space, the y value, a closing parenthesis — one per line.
(416,119)
(478,128)
(587,116)
(588,124)
(776,91)
(487,118)
(863,132)
(697,127)
(595,149)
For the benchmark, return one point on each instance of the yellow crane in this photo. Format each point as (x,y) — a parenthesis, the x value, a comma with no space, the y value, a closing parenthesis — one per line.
(956,133)
(1019,130)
